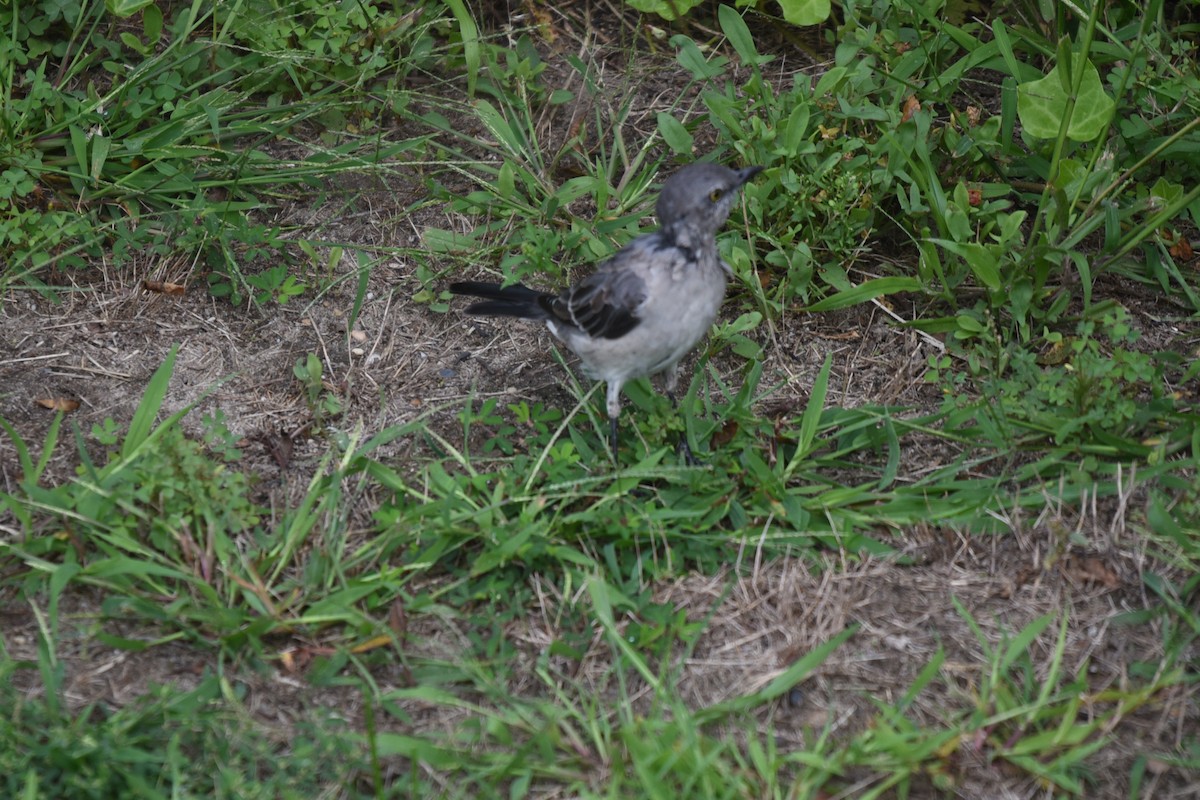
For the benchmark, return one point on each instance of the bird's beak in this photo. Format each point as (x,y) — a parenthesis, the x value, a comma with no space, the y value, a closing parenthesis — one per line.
(746,174)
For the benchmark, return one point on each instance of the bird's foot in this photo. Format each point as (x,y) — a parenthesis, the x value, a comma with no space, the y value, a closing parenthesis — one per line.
(684,451)
(612,437)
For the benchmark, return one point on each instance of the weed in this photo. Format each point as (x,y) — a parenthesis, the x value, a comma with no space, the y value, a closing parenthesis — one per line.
(168,743)
(157,142)
(320,396)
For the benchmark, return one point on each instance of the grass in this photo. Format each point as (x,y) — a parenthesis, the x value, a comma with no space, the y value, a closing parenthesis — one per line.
(502,602)
(168,743)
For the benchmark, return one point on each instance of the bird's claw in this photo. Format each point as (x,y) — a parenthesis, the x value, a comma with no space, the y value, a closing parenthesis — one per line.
(684,451)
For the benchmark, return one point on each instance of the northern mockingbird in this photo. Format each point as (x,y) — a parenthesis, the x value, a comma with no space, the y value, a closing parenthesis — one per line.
(646,306)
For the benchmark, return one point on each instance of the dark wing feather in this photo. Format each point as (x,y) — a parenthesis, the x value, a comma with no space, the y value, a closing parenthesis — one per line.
(517,300)
(604,304)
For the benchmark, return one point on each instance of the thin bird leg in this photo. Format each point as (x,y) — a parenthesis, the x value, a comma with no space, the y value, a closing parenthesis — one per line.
(683,448)
(613,406)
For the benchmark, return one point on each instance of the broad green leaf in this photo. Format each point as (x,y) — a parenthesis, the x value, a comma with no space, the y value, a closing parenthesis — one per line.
(812,412)
(738,33)
(796,130)
(674,134)
(100,147)
(147,410)
(152,23)
(79,148)
(417,749)
(124,567)
(691,59)
(867,290)
(133,43)
(125,8)
(830,81)
(805,12)
(746,322)
(667,9)
(468,31)
(968,323)
(506,181)
(499,126)
(980,259)
(1043,103)
(1166,191)
(440,241)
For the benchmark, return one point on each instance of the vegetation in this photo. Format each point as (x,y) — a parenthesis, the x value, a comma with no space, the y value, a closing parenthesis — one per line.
(1010,183)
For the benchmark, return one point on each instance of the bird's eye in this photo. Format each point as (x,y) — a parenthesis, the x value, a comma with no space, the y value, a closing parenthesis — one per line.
(715,195)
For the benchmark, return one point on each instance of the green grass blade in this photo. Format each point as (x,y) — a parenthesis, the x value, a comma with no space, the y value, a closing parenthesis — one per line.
(468,32)
(812,416)
(780,685)
(867,290)
(151,404)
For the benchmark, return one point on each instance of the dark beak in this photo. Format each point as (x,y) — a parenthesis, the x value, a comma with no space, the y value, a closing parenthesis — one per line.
(746,174)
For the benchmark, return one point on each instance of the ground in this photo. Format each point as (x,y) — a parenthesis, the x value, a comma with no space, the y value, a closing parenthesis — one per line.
(99,340)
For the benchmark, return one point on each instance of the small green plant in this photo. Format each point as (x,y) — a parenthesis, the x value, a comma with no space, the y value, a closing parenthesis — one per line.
(534,221)
(1088,389)
(167,527)
(274,283)
(320,397)
(796,12)
(155,141)
(828,169)
(1031,713)
(528,421)
(169,743)
(156,515)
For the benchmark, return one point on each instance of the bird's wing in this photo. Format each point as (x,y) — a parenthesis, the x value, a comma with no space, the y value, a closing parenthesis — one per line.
(605,303)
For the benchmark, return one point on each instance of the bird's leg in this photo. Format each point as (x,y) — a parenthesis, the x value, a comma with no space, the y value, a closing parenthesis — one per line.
(683,448)
(613,406)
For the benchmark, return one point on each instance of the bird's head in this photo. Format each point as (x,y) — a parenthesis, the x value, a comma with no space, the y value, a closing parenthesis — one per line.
(695,201)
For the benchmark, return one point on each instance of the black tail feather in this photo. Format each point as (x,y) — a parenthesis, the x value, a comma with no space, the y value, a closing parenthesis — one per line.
(517,300)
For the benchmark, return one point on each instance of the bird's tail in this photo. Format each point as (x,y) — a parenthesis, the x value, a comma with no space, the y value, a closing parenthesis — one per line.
(517,300)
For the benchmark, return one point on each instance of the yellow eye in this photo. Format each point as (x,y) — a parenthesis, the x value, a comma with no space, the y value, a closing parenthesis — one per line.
(715,195)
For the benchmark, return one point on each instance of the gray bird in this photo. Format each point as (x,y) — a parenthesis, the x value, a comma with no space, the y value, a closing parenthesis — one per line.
(645,307)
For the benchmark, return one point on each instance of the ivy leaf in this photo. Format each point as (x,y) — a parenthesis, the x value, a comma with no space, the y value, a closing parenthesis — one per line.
(805,12)
(126,8)
(1042,104)
(674,134)
(667,9)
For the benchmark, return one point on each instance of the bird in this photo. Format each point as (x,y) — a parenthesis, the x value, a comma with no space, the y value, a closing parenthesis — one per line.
(646,306)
